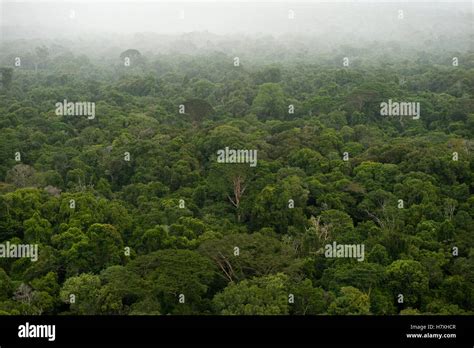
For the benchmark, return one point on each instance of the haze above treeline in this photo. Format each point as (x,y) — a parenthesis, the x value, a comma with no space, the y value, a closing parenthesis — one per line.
(97,28)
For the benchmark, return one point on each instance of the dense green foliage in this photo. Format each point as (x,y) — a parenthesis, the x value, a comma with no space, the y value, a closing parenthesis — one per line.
(158,234)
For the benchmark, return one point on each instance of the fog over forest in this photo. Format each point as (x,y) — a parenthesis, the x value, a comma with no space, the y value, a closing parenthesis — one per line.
(230,26)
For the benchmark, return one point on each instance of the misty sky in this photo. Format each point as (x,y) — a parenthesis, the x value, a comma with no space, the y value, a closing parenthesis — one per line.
(373,19)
